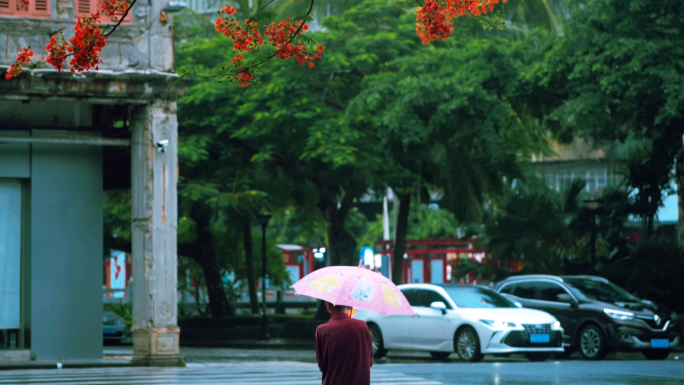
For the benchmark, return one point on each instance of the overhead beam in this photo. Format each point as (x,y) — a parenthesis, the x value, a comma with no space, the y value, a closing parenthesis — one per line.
(69,139)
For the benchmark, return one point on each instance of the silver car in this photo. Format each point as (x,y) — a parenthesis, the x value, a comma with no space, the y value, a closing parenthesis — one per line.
(114,327)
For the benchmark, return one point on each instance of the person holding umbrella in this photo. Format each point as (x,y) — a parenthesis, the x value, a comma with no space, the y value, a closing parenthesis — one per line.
(344,348)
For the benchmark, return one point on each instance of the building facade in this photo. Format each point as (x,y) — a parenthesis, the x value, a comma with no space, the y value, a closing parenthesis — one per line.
(64,139)
(600,168)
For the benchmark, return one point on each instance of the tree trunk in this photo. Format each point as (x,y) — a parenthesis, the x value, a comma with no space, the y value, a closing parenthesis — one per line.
(249,261)
(218,302)
(400,239)
(341,245)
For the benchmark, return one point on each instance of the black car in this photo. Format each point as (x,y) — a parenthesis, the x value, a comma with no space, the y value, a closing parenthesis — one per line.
(597,315)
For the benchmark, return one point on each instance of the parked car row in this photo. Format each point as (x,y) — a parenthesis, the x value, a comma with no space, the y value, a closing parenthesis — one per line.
(535,315)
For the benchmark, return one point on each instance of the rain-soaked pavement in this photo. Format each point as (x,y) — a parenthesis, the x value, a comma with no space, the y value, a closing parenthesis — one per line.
(297,367)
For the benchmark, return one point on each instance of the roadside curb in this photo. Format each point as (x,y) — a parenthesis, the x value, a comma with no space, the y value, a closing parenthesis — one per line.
(276,343)
(73,364)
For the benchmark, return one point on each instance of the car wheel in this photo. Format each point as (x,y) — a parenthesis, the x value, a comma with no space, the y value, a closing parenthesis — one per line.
(379,350)
(468,345)
(440,355)
(656,354)
(538,356)
(592,344)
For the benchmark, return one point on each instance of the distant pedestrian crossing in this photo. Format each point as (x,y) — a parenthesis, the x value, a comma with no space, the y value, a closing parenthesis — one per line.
(250,373)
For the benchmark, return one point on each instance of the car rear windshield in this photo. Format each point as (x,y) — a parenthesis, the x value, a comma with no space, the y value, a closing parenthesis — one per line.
(475,297)
(598,290)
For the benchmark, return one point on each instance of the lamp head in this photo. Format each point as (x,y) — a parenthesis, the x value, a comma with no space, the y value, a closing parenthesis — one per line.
(263,218)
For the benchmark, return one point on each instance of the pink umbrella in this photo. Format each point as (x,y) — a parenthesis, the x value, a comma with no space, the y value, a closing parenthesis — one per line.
(356,287)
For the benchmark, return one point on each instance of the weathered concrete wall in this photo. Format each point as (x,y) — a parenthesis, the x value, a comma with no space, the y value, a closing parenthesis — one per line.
(14,157)
(154,210)
(53,114)
(146,43)
(66,252)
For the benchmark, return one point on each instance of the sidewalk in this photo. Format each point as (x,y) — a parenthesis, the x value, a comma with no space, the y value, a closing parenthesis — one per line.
(273,343)
(119,362)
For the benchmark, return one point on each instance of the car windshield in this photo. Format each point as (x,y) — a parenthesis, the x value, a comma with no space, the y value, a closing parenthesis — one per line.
(476,297)
(599,290)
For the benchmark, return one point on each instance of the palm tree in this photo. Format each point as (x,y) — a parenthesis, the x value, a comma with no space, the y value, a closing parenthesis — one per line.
(545,14)
(539,225)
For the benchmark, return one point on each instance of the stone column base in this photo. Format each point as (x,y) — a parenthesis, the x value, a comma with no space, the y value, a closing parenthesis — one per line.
(156,347)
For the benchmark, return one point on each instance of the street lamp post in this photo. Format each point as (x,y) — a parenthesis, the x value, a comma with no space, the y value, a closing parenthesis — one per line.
(263,221)
(593,205)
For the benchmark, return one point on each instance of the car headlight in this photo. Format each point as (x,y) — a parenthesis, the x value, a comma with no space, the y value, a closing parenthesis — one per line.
(619,315)
(498,324)
(556,325)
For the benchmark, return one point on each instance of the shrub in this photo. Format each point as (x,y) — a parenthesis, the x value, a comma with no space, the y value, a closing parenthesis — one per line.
(653,271)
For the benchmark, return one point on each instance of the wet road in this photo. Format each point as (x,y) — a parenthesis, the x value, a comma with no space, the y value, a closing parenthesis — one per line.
(199,355)
(558,372)
(297,367)
(298,373)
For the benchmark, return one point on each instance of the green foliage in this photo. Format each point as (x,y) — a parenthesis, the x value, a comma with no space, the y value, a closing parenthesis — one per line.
(188,24)
(117,221)
(425,222)
(298,226)
(653,272)
(538,225)
(124,310)
(551,229)
(325,164)
(613,76)
(449,120)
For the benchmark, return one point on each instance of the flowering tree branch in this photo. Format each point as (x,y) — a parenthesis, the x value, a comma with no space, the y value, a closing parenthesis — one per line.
(121,19)
(434,22)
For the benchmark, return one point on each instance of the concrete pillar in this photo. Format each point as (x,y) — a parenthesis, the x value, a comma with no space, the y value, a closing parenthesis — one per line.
(154,205)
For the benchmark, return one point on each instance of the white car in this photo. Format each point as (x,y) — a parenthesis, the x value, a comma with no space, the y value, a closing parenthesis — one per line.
(469,320)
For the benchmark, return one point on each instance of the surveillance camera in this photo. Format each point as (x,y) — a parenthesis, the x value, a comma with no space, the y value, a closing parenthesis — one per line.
(162,144)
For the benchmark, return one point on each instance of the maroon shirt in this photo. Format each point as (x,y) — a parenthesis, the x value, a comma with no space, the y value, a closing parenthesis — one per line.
(344,351)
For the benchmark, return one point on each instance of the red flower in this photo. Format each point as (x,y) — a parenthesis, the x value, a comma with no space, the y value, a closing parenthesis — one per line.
(14,71)
(457,8)
(433,22)
(24,56)
(244,76)
(57,52)
(434,19)
(245,38)
(86,44)
(282,35)
(114,8)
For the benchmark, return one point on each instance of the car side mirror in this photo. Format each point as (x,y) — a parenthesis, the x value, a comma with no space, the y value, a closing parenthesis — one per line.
(518,305)
(439,305)
(564,298)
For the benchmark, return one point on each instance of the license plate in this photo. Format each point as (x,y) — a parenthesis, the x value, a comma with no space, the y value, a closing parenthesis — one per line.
(538,338)
(109,330)
(660,343)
